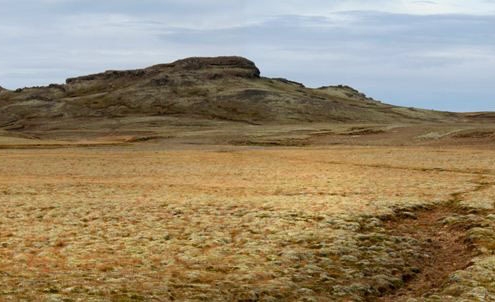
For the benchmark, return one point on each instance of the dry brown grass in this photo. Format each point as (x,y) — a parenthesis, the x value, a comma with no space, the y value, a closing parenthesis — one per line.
(126,224)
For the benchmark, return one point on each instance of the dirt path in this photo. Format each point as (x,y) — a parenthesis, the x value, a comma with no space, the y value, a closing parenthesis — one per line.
(445,250)
(445,246)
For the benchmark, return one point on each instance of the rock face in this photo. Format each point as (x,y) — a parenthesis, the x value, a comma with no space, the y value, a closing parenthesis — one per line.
(248,67)
(221,88)
(223,65)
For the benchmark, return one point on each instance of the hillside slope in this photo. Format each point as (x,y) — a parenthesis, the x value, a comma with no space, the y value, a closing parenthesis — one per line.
(222,88)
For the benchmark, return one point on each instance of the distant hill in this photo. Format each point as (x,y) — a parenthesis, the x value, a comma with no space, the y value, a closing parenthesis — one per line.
(221,88)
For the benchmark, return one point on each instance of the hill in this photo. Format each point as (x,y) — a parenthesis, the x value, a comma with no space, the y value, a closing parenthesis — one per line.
(225,88)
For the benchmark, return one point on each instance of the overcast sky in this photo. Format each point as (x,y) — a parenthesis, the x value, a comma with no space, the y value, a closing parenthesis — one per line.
(431,54)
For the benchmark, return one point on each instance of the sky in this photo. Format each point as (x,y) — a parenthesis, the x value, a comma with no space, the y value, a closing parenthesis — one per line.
(429,54)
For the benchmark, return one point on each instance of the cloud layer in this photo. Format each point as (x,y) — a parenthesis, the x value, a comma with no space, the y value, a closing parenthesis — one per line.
(433,54)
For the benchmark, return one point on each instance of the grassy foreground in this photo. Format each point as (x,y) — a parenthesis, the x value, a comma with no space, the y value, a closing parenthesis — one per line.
(231,223)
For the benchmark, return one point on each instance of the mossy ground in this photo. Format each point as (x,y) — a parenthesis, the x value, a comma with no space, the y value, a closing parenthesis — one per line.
(132,224)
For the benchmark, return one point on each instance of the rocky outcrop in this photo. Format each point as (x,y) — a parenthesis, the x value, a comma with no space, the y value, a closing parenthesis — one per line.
(284,80)
(196,63)
(218,66)
(347,90)
(109,75)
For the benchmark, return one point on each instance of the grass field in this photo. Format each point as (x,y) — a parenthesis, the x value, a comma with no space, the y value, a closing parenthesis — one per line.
(234,223)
